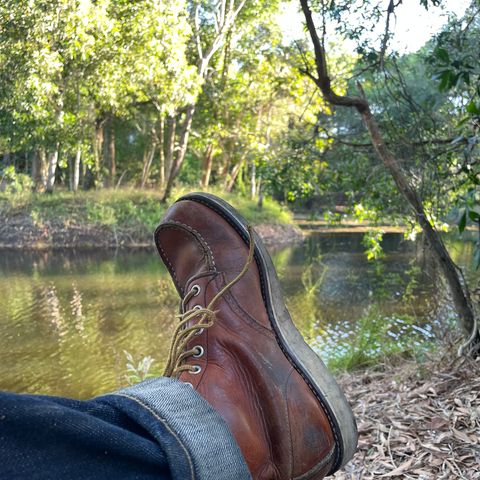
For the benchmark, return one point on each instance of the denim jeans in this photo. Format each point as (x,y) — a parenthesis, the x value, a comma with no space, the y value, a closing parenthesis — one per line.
(158,429)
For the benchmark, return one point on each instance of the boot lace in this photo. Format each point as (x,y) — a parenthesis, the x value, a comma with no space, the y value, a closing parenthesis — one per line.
(183,334)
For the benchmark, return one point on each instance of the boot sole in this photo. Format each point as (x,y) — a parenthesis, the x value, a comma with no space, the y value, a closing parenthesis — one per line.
(300,355)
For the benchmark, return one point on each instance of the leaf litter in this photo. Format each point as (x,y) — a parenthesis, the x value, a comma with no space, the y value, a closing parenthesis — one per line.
(416,421)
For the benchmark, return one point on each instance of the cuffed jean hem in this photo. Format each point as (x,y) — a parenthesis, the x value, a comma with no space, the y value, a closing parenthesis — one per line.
(200,445)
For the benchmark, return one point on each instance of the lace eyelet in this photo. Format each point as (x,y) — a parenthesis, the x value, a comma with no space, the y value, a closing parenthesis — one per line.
(195,290)
(200,351)
(188,384)
(196,369)
(197,307)
(199,332)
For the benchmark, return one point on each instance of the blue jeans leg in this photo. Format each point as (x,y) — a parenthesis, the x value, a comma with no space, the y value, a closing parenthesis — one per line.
(158,429)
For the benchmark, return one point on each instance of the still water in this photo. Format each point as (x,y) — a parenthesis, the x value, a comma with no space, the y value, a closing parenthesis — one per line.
(68,317)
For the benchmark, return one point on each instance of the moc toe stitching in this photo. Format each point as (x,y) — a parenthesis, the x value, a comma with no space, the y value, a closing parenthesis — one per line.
(190,233)
(187,228)
(239,232)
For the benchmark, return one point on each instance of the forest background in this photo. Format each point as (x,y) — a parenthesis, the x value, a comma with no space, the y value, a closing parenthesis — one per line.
(108,94)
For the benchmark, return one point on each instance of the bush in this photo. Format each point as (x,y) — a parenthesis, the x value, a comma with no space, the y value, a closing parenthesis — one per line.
(15,183)
(373,339)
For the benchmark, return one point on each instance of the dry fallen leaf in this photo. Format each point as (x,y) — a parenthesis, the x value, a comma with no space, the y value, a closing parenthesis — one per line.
(417,427)
(402,468)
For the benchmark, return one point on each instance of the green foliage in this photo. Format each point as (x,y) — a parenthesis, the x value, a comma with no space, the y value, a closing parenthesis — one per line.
(454,63)
(66,66)
(332,218)
(469,213)
(138,371)
(257,112)
(75,74)
(100,214)
(70,69)
(15,183)
(363,214)
(372,242)
(426,104)
(375,338)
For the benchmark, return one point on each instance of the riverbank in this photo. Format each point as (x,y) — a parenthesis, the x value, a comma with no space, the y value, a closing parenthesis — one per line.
(112,219)
(416,421)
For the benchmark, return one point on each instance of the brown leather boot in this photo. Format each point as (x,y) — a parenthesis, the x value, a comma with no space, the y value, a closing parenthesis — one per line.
(246,358)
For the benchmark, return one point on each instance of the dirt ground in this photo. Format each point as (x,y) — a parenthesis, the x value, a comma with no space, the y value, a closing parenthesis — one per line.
(416,421)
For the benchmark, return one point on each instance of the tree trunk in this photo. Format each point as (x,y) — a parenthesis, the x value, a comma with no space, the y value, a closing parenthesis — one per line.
(225,16)
(207,166)
(98,138)
(112,156)
(223,169)
(452,274)
(253,181)
(171,128)
(148,155)
(109,152)
(52,169)
(179,156)
(260,193)
(39,174)
(161,151)
(70,162)
(233,176)
(76,170)
(104,156)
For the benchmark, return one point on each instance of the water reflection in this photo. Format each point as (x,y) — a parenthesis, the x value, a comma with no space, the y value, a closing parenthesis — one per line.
(67,317)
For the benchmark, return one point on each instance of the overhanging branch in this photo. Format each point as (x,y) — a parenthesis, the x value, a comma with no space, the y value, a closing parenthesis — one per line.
(323,80)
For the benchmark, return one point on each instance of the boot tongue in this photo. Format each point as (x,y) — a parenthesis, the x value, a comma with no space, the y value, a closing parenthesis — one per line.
(183,253)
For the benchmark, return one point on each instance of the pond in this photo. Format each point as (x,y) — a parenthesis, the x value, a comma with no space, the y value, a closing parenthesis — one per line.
(67,318)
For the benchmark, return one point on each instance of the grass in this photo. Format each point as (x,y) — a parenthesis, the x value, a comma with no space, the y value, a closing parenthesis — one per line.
(374,339)
(124,208)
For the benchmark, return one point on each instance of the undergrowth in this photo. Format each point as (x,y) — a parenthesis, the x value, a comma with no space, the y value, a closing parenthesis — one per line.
(373,339)
(123,208)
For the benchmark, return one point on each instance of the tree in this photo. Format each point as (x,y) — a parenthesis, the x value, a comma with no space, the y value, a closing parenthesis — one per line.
(458,287)
(454,62)
(72,69)
(149,75)
(249,133)
(212,22)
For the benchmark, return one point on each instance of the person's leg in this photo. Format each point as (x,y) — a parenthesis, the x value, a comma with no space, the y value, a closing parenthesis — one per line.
(158,429)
